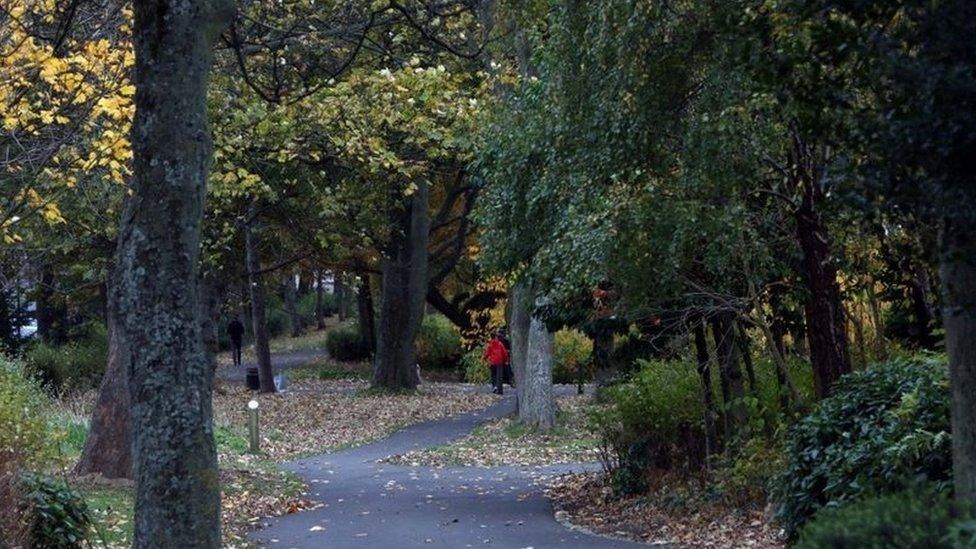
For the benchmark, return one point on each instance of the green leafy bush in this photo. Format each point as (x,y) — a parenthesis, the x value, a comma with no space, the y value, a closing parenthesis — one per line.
(475,367)
(307,303)
(918,518)
(438,343)
(344,344)
(74,365)
(59,516)
(651,423)
(571,349)
(24,426)
(881,429)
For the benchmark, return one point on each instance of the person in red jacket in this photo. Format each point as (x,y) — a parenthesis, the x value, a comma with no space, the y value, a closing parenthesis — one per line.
(497,356)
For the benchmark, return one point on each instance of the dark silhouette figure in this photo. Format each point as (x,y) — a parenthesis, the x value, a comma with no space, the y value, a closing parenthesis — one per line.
(236,332)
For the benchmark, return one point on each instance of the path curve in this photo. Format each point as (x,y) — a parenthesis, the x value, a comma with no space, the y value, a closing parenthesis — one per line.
(366,504)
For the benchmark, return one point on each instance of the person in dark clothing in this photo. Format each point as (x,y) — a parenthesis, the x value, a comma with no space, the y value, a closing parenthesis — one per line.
(236,332)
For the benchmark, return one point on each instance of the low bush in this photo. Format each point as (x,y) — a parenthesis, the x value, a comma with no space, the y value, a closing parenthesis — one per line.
(571,350)
(59,516)
(307,304)
(438,343)
(74,365)
(475,367)
(24,425)
(344,344)
(651,424)
(881,430)
(917,518)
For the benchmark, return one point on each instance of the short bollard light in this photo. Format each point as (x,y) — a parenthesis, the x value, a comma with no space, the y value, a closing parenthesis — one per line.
(252,420)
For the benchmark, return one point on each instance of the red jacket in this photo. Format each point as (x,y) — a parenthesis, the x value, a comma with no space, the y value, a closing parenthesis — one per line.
(495,353)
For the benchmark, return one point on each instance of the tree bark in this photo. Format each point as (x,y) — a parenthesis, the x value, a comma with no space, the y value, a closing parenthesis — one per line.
(291,304)
(520,301)
(823,308)
(958,271)
(339,291)
(108,447)
(724,334)
(177,499)
(403,291)
(259,319)
(319,292)
(707,397)
(536,406)
(367,321)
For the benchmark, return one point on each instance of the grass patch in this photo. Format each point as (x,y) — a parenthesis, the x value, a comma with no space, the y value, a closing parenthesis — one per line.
(111,508)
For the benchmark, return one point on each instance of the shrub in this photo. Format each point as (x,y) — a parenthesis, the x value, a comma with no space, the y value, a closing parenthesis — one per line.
(571,349)
(59,516)
(745,477)
(651,423)
(438,343)
(344,344)
(24,427)
(475,367)
(880,430)
(74,365)
(918,518)
(306,306)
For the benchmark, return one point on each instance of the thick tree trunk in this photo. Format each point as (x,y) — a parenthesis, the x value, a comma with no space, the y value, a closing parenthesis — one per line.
(724,334)
(823,308)
(602,353)
(155,297)
(958,270)
(707,398)
(259,318)
(364,305)
(319,294)
(108,447)
(536,405)
(403,292)
(520,301)
(291,305)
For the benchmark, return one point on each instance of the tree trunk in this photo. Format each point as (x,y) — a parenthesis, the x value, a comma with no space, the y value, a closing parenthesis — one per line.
(742,340)
(367,322)
(602,354)
(291,304)
(156,308)
(536,406)
(108,447)
(918,286)
(958,270)
(403,292)
(724,335)
(259,319)
(707,398)
(823,308)
(319,292)
(520,302)
(339,291)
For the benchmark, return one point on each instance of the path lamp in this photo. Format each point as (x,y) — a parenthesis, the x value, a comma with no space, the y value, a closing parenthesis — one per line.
(252,423)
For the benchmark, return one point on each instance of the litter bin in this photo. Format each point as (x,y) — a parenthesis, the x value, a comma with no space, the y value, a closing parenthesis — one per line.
(253,381)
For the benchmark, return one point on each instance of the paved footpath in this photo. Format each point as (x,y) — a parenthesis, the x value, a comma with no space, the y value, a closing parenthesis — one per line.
(366,504)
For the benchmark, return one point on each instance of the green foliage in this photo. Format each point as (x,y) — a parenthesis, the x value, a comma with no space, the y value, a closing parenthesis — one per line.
(438,343)
(307,303)
(650,423)
(60,517)
(881,429)
(571,349)
(25,432)
(344,344)
(745,477)
(917,518)
(75,365)
(475,367)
